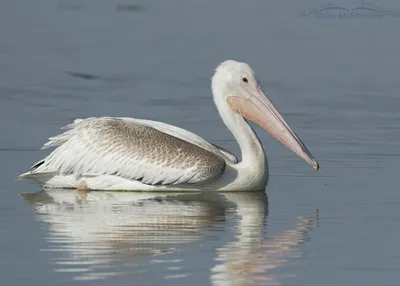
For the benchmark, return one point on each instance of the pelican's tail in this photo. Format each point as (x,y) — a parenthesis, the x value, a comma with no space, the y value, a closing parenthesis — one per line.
(41,177)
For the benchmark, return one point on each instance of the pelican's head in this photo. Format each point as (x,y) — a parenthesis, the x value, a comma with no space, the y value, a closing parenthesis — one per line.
(236,84)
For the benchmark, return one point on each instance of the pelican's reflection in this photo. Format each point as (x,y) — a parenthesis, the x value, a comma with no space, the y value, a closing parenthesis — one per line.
(160,235)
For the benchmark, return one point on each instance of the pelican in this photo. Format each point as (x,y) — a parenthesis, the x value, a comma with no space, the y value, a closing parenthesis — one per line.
(115,153)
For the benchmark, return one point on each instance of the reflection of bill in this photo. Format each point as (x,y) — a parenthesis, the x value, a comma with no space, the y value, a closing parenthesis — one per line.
(103,234)
(251,259)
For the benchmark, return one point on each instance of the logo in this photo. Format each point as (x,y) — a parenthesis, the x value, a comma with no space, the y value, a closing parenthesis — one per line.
(366,10)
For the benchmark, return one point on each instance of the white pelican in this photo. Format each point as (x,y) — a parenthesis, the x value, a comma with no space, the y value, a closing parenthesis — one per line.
(109,153)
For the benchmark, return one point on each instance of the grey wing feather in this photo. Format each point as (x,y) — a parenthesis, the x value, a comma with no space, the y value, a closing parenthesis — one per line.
(115,146)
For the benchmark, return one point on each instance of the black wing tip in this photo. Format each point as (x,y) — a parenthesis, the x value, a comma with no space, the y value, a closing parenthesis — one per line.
(37,165)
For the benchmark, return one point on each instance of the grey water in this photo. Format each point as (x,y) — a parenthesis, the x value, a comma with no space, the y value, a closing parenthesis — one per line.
(335,80)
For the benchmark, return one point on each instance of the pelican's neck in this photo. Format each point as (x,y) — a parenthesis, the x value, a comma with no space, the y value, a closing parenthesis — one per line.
(252,151)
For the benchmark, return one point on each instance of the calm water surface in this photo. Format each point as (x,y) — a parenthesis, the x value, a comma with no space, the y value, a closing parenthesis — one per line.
(335,81)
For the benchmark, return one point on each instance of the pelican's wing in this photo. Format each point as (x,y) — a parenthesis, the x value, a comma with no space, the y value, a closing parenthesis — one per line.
(187,136)
(129,149)
(232,157)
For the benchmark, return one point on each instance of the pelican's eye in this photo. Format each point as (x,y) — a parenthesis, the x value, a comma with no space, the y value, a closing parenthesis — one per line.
(245,79)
